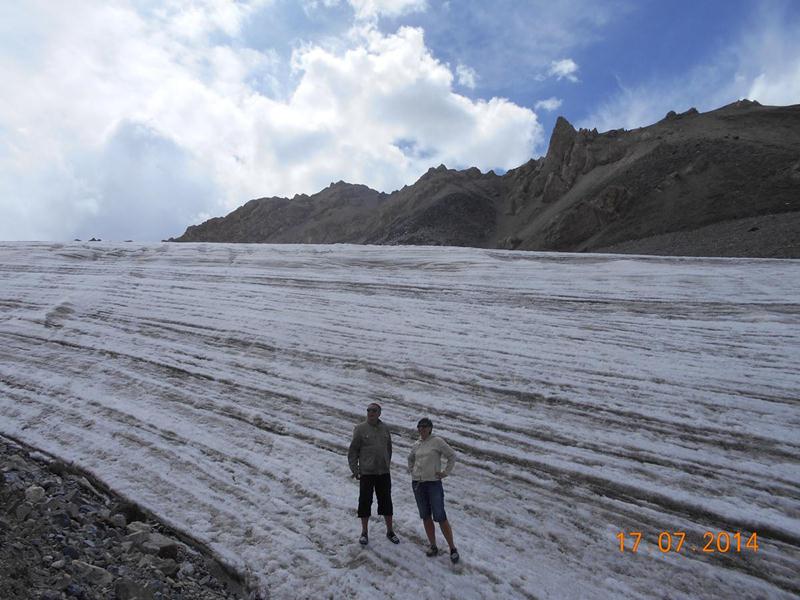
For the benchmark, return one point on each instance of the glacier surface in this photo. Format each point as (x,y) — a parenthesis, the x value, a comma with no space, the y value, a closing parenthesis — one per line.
(585,395)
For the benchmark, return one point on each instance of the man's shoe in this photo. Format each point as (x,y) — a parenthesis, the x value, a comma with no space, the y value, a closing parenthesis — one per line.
(393,537)
(363,540)
(454,555)
(432,551)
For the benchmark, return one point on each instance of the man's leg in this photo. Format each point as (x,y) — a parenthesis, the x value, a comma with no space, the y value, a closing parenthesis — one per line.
(383,490)
(365,490)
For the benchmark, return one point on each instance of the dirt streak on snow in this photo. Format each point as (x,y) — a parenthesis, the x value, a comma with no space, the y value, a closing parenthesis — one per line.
(586,395)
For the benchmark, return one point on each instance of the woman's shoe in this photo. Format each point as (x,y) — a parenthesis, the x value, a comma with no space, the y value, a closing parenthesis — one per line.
(363,540)
(454,555)
(393,537)
(432,551)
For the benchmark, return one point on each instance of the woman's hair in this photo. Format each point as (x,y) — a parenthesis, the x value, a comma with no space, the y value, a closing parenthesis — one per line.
(425,422)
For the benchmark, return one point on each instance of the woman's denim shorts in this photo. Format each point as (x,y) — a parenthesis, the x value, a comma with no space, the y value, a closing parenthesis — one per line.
(430,500)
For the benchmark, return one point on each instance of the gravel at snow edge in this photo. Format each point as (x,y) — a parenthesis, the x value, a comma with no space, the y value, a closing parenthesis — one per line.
(65,535)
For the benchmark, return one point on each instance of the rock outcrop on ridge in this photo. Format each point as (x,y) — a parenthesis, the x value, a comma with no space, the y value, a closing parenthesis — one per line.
(721,183)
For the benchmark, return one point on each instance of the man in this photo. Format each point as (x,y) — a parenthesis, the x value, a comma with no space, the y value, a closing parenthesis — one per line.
(370,456)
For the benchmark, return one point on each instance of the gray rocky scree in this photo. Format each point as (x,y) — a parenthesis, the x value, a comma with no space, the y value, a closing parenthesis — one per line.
(61,538)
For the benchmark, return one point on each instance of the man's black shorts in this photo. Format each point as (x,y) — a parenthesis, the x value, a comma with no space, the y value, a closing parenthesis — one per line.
(382,484)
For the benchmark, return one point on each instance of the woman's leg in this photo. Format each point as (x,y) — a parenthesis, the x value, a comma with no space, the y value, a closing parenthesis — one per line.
(430,530)
(447,532)
(424,505)
(436,492)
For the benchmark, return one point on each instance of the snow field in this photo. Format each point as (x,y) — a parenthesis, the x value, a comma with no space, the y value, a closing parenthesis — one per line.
(585,395)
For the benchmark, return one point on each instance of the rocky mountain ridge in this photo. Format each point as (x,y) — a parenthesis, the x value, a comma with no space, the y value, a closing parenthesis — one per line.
(660,189)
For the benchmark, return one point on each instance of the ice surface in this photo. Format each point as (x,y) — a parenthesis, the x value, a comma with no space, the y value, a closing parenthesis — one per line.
(585,395)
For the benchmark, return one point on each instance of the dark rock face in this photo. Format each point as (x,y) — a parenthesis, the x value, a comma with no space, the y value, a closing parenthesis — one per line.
(62,538)
(335,214)
(633,190)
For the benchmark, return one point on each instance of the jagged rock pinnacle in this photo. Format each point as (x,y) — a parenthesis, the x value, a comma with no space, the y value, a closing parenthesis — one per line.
(562,138)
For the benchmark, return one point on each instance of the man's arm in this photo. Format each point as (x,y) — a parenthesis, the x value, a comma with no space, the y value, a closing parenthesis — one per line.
(389,444)
(353,452)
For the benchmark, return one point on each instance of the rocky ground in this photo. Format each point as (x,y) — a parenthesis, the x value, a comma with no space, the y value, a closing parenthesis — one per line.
(767,236)
(64,536)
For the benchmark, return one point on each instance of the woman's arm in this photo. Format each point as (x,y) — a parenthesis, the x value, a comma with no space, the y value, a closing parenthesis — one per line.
(450,455)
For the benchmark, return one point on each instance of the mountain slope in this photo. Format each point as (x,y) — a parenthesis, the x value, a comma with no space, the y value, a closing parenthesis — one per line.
(631,190)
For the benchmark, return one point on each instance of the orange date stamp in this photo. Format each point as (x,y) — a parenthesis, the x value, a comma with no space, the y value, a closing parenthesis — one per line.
(721,542)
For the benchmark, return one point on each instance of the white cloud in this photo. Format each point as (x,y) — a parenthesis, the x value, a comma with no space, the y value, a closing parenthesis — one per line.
(389,88)
(312,5)
(549,104)
(769,61)
(513,43)
(564,69)
(125,124)
(777,88)
(196,19)
(372,9)
(466,76)
(635,107)
(762,64)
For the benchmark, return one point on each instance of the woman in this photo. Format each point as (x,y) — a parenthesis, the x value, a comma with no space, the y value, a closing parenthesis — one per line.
(425,465)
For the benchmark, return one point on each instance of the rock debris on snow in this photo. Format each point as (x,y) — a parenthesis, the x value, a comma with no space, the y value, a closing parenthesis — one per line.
(60,538)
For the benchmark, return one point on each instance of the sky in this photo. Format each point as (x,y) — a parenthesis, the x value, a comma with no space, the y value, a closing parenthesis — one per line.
(132,119)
